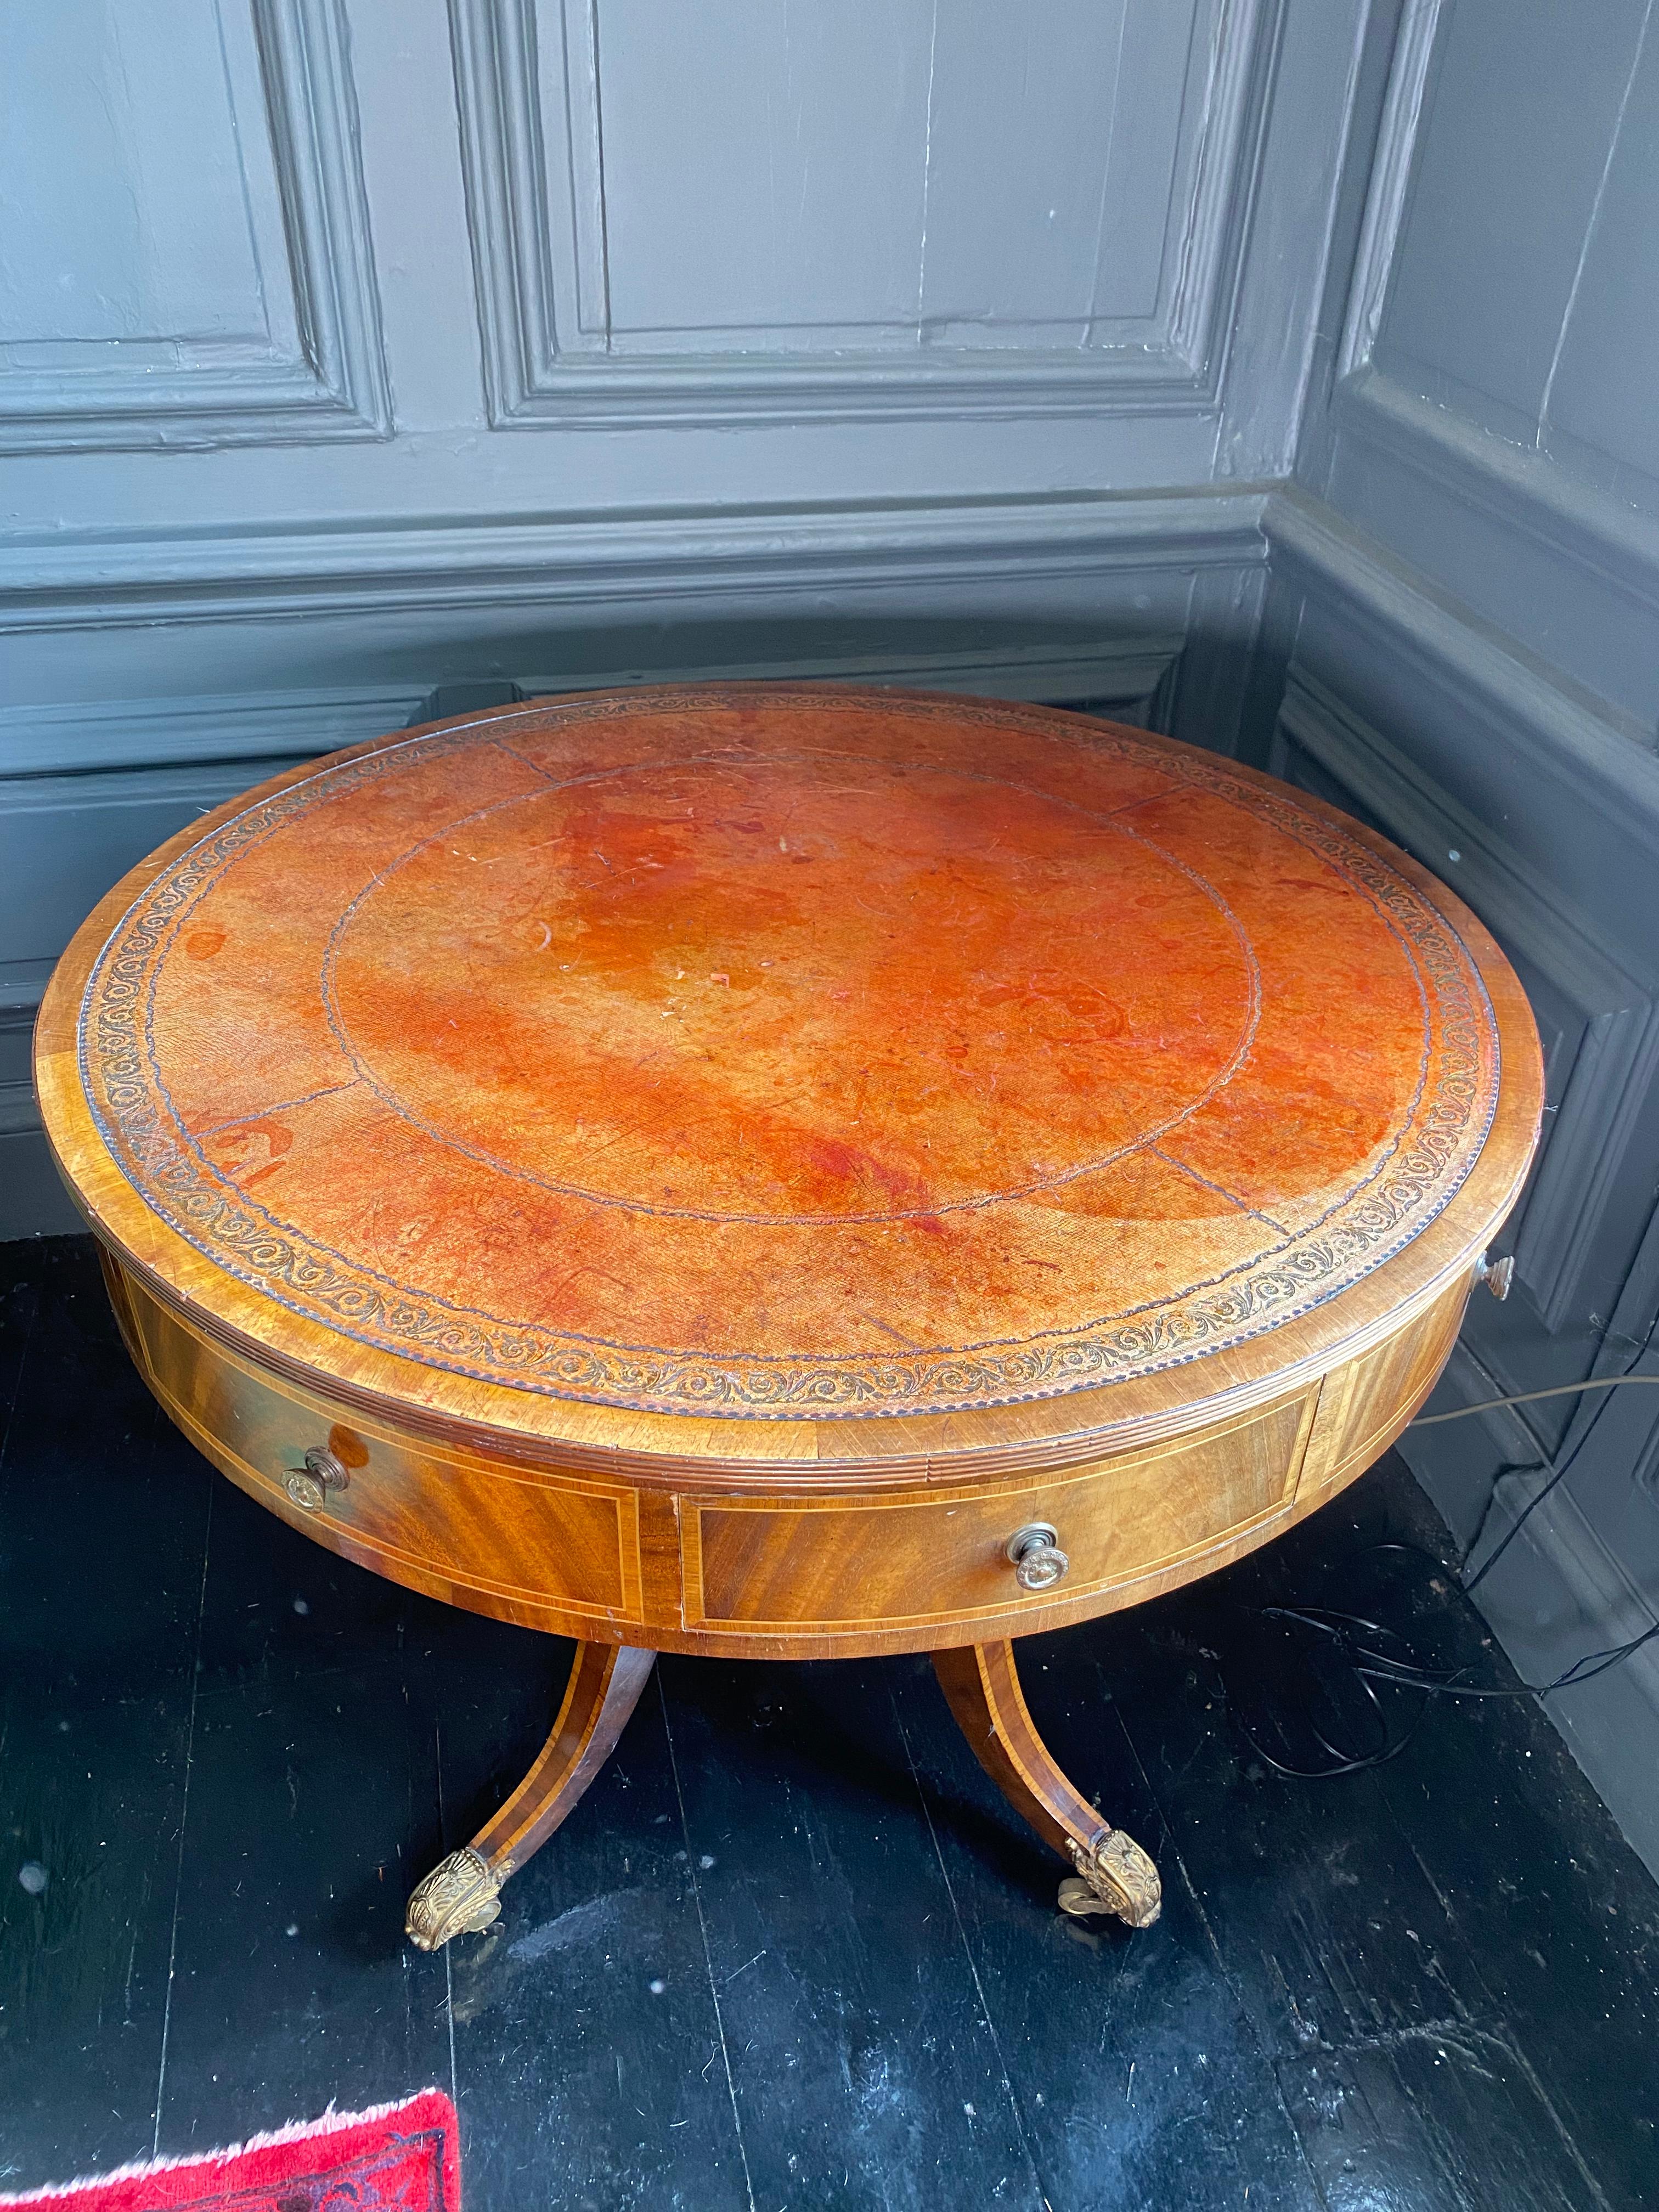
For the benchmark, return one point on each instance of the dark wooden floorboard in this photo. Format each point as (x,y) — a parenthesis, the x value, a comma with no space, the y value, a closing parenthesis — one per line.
(102,1516)
(97,1644)
(22,1293)
(864,2069)
(1426,1949)
(1159,2090)
(91,1791)
(793,1950)
(587,2036)
(292,1984)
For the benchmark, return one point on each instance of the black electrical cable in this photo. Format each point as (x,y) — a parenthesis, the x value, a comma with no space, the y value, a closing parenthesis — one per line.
(1366,1665)
(1342,1761)
(1531,1397)
(1527,1467)
(1407,1674)
(1558,1474)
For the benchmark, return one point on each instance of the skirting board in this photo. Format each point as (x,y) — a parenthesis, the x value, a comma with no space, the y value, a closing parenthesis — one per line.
(751,557)
(1556,1594)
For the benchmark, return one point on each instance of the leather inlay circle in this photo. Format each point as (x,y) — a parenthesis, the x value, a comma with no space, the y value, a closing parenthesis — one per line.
(789,1083)
(760,1052)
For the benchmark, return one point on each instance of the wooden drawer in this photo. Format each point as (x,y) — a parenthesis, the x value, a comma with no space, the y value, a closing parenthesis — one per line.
(919,1557)
(589,1554)
(503,1531)
(1366,1402)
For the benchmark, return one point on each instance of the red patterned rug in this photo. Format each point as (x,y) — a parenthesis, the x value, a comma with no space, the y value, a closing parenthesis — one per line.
(398,2158)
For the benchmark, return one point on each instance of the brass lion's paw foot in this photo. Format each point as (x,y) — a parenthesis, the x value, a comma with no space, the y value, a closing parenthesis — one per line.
(459,1897)
(1114,1874)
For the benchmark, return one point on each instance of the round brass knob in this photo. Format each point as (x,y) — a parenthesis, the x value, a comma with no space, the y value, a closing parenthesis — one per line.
(327,1469)
(1039,1563)
(309,1486)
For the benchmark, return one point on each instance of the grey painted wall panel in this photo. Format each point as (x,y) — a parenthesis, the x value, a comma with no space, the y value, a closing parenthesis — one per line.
(1047,215)
(764,167)
(1304,180)
(1588,1288)
(1574,800)
(1502,195)
(1485,412)
(177,617)
(381,100)
(1519,561)
(1601,397)
(184,257)
(1468,606)
(140,126)
(743,215)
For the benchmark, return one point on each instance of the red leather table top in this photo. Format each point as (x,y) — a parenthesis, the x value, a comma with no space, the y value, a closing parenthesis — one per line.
(765,1052)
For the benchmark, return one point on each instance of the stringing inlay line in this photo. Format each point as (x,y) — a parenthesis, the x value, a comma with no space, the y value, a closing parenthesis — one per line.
(1280,1227)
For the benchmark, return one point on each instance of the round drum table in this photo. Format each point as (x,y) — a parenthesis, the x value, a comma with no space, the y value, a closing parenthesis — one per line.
(791,1173)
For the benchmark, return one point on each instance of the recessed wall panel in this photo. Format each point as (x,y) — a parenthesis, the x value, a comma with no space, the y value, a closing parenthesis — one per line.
(138,202)
(764,166)
(1520,109)
(918,207)
(1602,419)
(185,255)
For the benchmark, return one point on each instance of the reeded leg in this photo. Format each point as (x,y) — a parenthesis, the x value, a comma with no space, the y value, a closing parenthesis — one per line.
(1114,1874)
(464,1893)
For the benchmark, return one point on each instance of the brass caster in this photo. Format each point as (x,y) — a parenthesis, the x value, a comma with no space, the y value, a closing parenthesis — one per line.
(459,1897)
(1114,1874)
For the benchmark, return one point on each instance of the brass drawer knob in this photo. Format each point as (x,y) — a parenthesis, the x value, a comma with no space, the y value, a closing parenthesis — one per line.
(1039,1563)
(1495,1275)
(309,1486)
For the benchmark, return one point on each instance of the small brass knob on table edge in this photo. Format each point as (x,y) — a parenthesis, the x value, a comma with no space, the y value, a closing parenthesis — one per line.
(308,1486)
(1038,1561)
(1495,1275)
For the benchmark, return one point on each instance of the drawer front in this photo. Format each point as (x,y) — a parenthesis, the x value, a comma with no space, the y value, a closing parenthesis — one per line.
(921,1558)
(1364,1406)
(492,1528)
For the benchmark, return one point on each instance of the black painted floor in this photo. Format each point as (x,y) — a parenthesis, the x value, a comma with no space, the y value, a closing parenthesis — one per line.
(792,1951)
